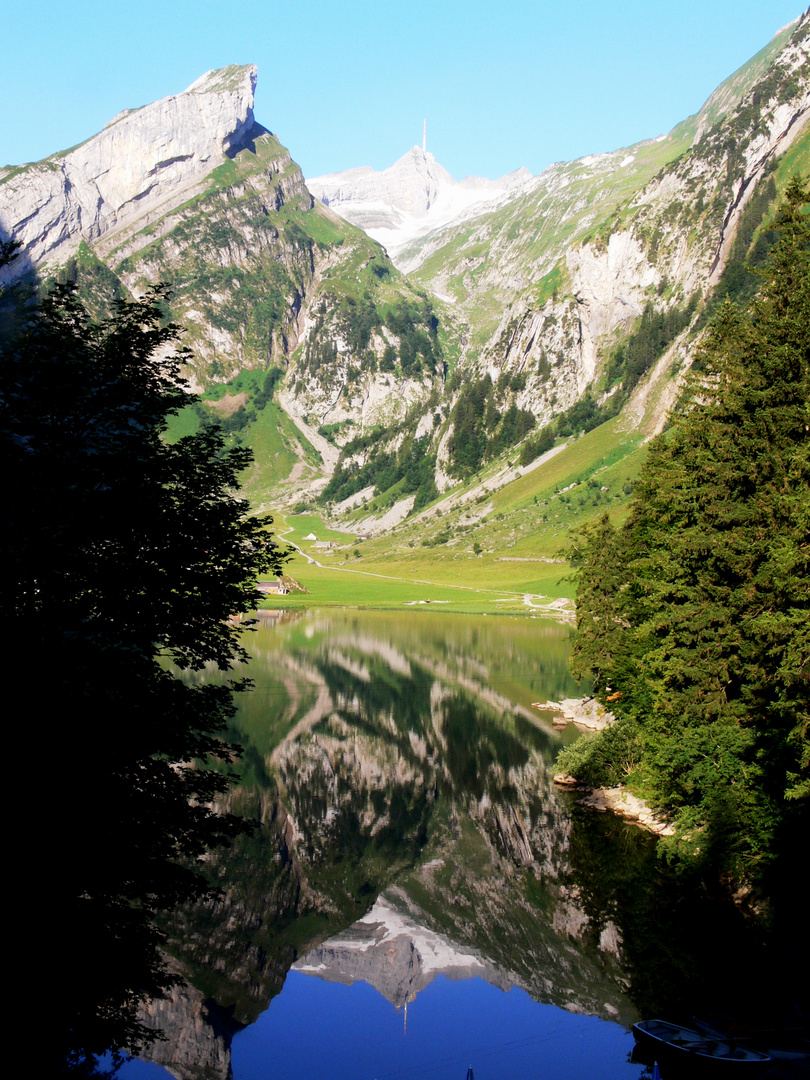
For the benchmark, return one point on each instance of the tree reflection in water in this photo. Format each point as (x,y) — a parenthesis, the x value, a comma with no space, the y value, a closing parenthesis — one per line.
(399,755)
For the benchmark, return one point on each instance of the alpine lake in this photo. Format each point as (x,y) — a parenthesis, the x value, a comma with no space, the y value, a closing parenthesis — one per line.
(418,897)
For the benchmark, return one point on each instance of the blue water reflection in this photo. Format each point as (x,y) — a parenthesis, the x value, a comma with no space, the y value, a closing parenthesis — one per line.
(141,1070)
(315,1029)
(409,824)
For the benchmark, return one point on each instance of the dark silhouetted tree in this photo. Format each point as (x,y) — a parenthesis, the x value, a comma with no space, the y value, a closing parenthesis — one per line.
(124,557)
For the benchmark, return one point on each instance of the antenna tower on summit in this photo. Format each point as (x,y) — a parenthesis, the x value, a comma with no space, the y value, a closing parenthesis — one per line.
(424,136)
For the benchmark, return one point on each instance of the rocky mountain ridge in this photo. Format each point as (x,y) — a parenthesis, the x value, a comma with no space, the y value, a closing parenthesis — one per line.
(549,294)
(156,153)
(390,951)
(514,311)
(192,192)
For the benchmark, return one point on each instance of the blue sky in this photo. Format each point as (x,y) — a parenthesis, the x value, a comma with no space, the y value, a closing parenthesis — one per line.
(349,82)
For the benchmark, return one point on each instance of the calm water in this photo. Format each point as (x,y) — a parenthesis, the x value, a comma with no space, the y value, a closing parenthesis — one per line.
(419,897)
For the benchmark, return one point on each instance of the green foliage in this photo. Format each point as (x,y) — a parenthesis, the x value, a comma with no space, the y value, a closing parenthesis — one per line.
(427,490)
(416,329)
(320,351)
(360,319)
(381,270)
(124,556)
(486,421)
(649,341)
(514,425)
(329,431)
(410,469)
(200,258)
(603,599)
(585,415)
(739,281)
(467,445)
(96,285)
(355,319)
(244,415)
(271,380)
(606,761)
(697,612)
(444,536)
(534,447)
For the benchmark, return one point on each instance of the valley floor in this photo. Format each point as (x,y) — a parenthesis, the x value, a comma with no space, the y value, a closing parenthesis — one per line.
(479,585)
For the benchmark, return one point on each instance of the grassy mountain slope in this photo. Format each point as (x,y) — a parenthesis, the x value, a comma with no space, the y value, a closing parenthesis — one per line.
(526,275)
(597,283)
(480,265)
(732,90)
(503,389)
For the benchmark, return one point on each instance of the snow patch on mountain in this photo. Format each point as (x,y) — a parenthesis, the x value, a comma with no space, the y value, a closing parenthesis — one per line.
(409,199)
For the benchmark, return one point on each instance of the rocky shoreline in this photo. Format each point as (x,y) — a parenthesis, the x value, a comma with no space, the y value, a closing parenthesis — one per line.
(588,714)
(617,800)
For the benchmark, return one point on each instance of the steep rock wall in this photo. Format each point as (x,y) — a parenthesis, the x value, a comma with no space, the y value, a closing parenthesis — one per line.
(155,153)
(669,244)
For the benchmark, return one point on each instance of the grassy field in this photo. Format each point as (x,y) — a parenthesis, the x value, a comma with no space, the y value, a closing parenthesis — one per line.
(277,446)
(498,553)
(475,586)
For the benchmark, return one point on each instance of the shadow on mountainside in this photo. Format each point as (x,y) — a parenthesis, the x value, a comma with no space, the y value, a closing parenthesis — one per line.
(18,281)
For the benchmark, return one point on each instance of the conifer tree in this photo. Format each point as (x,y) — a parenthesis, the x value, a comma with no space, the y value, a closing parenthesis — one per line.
(706,638)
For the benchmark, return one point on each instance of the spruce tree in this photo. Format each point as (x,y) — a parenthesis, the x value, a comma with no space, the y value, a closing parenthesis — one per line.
(706,639)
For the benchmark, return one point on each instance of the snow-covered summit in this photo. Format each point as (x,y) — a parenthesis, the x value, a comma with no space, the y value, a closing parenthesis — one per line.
(409,199)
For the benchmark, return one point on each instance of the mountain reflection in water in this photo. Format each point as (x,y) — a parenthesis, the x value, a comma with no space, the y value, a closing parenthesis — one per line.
(410,832)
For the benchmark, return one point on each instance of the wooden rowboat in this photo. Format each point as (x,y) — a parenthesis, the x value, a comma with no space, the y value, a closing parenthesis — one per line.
(782,1044)
(719,1056)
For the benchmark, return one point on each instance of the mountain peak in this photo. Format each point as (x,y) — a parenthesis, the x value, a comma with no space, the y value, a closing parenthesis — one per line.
(239,78)
(410,185)
(157,152)
(411,197)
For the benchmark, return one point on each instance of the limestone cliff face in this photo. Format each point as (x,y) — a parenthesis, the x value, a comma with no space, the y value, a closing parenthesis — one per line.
(197,1035)
(569,265)
(344,391)
(192,192)
(241,275)
(684,222)
(610,287)
(153,154)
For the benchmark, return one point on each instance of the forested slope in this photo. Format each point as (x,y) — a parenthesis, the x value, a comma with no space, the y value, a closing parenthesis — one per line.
(694,616)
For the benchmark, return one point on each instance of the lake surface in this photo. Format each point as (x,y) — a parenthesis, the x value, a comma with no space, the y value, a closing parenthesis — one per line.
(418,896)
